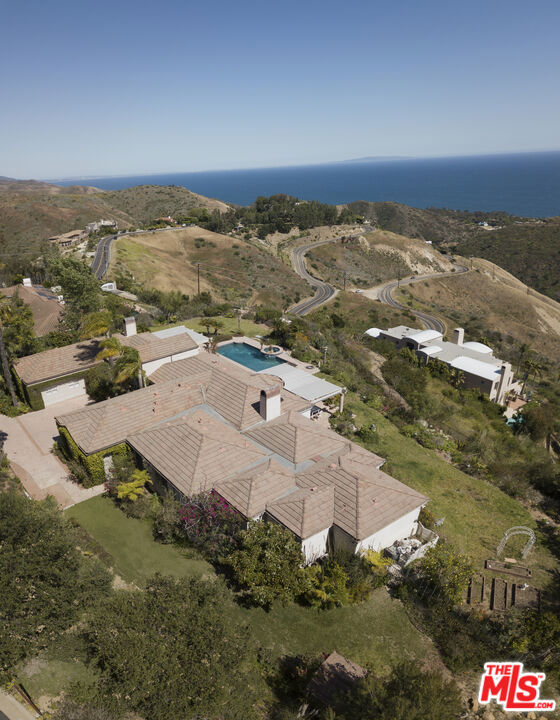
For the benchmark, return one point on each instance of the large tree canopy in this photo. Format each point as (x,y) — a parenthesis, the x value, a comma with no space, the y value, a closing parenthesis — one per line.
(45,581)
(170,652)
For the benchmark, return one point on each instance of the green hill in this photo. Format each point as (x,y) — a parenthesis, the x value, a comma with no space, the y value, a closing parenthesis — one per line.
(530,251)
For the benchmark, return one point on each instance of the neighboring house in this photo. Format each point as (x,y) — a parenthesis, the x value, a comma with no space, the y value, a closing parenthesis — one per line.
(44,304)
(95,226)
(243,436)
(55,375)
(481,370)
(68,239)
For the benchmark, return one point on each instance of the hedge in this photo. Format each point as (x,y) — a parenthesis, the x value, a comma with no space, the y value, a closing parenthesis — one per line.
(93,464)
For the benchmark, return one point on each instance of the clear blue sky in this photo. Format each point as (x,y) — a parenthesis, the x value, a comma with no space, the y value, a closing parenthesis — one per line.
(100,88)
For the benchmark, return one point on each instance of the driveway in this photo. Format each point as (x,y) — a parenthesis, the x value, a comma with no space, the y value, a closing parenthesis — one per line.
(28,440)
(11,709)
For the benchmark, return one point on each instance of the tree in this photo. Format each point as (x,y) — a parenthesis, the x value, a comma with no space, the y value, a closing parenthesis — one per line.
(95,323)
(128,366)
(170,651)
(80,287)
(447,572)
(135,488)
(268,564)
(407,694)
(100,383)
(541,422)
(46,582)
(16,337)
(110,349)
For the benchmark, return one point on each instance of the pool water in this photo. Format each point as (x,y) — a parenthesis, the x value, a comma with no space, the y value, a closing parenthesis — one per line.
(249,356)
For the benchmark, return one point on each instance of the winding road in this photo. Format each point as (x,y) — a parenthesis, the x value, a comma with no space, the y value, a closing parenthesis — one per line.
(100,263)
(324,291)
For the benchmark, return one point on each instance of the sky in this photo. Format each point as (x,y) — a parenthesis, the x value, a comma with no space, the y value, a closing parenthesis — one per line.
(124,88)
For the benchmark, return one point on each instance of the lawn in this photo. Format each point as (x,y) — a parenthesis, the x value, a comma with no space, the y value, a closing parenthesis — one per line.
(230,326)
(377,632)
(476,512)
(129,541)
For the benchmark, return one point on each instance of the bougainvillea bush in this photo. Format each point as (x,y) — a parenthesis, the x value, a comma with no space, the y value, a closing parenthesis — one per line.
(210,523)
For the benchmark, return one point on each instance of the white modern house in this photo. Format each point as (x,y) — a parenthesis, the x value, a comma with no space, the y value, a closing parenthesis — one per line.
(481,370)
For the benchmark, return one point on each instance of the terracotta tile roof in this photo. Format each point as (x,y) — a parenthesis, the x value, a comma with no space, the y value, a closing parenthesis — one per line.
(196,452)
(366,499)
(234,394)
(336,676)
(306,511)
(110,422)
(250,492)
(297,438)
(43,303)
(152,347)
(58,362)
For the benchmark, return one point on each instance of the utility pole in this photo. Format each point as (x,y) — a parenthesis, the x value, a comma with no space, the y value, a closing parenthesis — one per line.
(398,278)
(198,276)
(325,354)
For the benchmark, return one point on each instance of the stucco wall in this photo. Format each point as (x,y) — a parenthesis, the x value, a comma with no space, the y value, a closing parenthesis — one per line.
(151,367)
(315,546)
(398,530)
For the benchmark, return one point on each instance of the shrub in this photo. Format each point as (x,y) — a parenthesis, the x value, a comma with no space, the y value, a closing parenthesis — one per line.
(209,522)
(268,564)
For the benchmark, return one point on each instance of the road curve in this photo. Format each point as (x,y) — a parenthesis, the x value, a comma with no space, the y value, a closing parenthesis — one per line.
(431,322)
(323,291)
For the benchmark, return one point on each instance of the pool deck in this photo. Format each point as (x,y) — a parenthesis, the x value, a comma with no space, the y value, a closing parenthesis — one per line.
(284,355)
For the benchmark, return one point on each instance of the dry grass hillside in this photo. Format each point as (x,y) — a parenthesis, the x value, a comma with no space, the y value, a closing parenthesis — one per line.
(489,301)
(231,269)
(375,257)
(32,211)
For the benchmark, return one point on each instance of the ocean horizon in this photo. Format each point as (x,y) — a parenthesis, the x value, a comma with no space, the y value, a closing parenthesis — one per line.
(524,184)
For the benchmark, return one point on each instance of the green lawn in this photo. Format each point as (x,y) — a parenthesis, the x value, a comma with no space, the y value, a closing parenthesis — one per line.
(476,513)
(248,328)
(136,556)
(376,632)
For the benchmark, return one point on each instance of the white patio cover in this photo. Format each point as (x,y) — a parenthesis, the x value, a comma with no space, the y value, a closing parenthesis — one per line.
(303,384)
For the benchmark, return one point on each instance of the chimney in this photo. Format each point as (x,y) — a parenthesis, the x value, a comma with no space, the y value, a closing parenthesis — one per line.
(270,403)
(458,336)
(129,326)
(504,383)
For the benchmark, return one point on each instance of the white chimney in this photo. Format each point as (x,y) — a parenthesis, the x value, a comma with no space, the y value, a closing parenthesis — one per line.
(26,282)
(270,406)
(458,336)
(504,383)
(129,326)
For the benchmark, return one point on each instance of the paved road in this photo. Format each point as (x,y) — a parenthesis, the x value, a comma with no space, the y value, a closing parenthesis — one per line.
(11,709)
(323,292)
(432,322)
(100,263)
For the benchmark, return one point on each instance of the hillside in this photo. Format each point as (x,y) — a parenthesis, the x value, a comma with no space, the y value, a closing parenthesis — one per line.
(231,269)
(373,258)
(530,251)
(31,211)
(491,302)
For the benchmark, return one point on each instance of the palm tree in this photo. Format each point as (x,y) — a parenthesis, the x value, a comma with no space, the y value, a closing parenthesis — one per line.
(128,366)
(110,348)
(96,323)
(522,350)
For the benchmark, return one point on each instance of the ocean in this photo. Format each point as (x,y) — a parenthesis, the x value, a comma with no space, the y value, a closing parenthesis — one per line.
(525,184)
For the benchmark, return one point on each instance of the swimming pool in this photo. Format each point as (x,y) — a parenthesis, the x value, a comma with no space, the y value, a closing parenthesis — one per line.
(249,356)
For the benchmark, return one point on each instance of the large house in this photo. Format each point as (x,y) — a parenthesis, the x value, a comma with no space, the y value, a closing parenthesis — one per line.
(68,239)
(209,425)
(54,375)
(481,370)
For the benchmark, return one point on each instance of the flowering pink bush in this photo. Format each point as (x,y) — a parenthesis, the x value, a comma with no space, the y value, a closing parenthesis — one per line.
(210,522)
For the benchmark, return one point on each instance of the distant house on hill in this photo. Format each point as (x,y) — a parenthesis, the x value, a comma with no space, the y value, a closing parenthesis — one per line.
(44,304)
(95,226)
(68,239)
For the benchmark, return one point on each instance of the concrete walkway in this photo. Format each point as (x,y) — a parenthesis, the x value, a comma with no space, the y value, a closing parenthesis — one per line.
(28,440)
(11,709)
